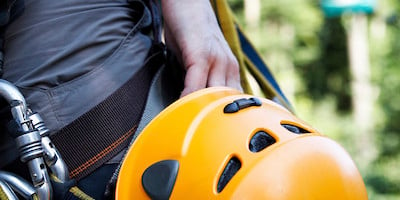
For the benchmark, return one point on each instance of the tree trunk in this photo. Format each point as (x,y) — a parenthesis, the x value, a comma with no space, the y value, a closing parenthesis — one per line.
(252,10)
(362,90)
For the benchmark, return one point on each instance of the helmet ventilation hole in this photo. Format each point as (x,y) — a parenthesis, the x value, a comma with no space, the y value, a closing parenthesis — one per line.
(260,141)
(230,170)
(295,129)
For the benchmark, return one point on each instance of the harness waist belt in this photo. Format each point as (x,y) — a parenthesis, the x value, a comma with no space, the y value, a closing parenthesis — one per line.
(101,133)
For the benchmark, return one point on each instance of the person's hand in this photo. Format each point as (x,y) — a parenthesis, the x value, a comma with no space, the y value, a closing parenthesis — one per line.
(193,34)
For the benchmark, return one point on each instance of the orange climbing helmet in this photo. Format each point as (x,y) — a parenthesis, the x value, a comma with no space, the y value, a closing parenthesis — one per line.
(219,143)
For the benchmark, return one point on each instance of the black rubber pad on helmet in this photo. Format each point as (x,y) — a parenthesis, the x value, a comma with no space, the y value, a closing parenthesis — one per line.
(158,180)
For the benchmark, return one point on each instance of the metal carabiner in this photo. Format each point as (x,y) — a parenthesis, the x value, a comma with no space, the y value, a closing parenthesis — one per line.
(52,157)
(29,141)
(11,182)
(16,100)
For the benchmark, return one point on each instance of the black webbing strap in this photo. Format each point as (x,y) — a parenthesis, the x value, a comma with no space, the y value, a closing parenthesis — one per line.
(105,130)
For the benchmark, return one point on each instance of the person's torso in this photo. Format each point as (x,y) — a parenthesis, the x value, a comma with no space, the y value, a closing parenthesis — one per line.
(66,56)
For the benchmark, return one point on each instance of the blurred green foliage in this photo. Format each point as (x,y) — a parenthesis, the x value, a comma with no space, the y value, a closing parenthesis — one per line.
(308,55)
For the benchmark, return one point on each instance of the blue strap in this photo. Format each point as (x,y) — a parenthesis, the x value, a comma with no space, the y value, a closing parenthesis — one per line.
(252,54)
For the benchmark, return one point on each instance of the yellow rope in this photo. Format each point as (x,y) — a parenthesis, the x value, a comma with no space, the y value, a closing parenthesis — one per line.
(74,190)
(227,24)
(79,193)
(252,80)
(3,195)
(35,197)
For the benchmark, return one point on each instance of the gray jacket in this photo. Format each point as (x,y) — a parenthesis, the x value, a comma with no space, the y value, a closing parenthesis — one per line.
(67,56)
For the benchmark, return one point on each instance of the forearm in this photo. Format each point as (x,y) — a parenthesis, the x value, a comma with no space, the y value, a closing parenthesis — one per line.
(186,16)
(193,33)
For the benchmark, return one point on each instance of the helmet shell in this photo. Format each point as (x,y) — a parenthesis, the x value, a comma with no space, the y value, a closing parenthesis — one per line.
(210,154)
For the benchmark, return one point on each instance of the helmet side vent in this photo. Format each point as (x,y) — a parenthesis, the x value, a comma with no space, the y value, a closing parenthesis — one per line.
(295,129)
(260,141)
(231,168)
